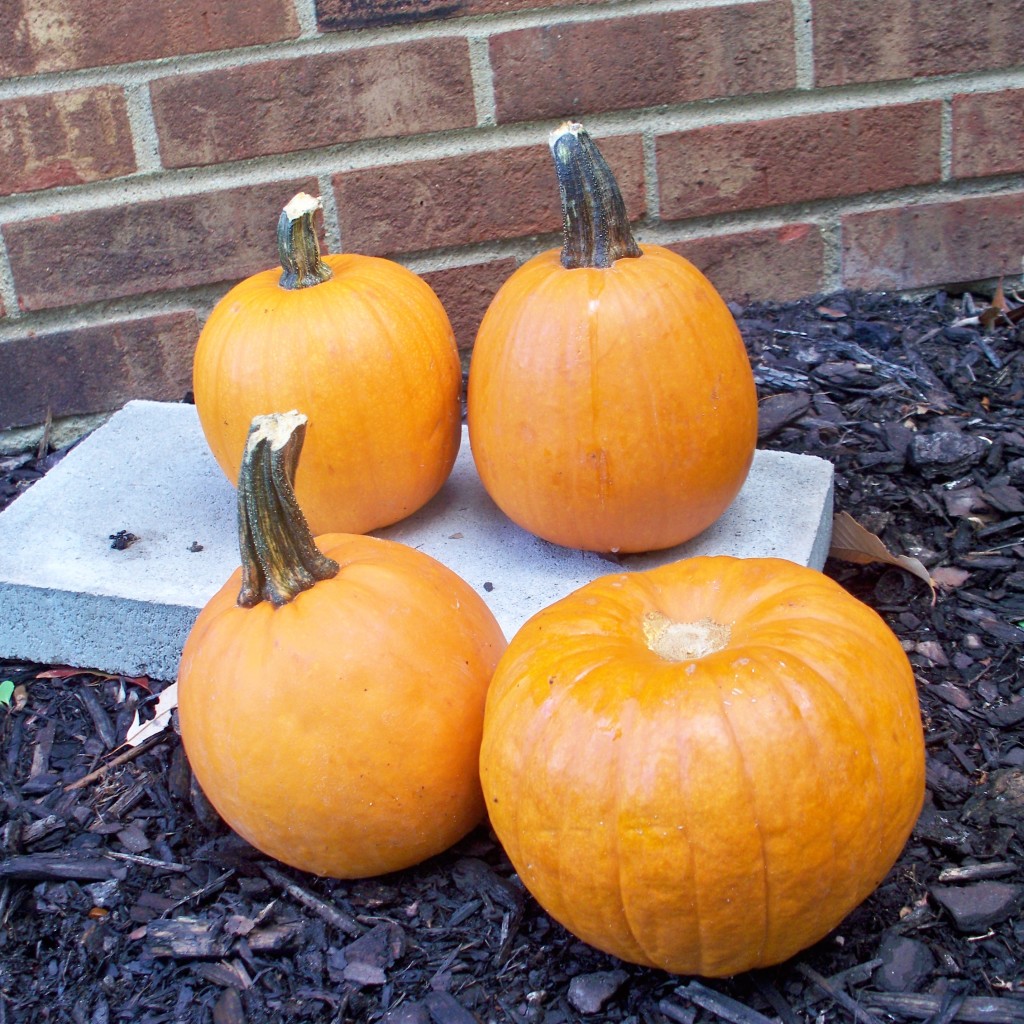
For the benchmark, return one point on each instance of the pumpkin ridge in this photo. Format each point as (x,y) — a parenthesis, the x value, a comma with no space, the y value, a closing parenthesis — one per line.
(876,827)
(756,820)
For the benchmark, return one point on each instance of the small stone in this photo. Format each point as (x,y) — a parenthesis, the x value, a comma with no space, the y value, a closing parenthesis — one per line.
(906,964)
(976,908)
(589,992)
(946,454)
(932,650)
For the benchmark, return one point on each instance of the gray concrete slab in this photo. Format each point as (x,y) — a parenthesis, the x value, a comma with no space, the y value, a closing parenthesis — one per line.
(68,597)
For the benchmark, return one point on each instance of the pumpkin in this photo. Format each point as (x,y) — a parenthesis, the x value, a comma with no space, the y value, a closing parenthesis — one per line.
(703,767)
(331,694)
(611,403)
(362,346)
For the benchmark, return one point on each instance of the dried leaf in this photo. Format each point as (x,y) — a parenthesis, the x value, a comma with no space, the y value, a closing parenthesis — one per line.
(949,577)
(65,672)
(142,731)
(851,542)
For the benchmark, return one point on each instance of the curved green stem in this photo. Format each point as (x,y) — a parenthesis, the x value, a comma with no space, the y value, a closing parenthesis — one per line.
(595,227)
(297,245)
(279,556)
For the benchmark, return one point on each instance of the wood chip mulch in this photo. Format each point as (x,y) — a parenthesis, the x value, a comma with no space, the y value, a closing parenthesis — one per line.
(124,899)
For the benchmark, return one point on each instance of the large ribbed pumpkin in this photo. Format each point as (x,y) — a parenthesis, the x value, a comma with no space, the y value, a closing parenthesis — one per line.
(331,694)
(611,403)
(364,348)
(706,766)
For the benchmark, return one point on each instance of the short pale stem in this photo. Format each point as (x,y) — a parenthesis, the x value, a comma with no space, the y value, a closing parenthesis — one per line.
(684,641)
(297,245)
(595,226)
(279,556)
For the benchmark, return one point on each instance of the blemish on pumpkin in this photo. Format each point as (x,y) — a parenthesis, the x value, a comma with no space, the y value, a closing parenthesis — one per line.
(684,641)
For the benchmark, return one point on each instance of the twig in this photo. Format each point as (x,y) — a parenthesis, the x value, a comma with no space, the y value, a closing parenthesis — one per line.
(838,995)
(774,998)
(724,1006)
(128,755)
(149,862)
(974,1009)
(205,890)
(332,915)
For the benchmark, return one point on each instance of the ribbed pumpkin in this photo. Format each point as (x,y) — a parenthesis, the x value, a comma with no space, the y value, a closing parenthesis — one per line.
(706,766)
(362,346)
(331,694)
(611,403)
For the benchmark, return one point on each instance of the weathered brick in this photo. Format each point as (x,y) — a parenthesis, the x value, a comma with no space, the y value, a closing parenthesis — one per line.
(794,159)
(988,133)
(570,69)
(466,292)
(97,368)
(772,264)
(465,199)
(315,101)
(345,15)
(55,35)
(878,40)
(64,138)
(147,247)
(938,243)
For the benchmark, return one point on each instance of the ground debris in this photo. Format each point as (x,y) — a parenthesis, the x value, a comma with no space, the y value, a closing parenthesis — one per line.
(123,896)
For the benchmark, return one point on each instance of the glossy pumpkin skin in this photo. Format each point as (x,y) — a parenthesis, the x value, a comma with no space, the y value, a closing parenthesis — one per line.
(712,814)
(339,732)
(369,356)
(611,409)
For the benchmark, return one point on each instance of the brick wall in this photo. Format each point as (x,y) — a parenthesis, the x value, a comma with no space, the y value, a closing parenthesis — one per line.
(786,146)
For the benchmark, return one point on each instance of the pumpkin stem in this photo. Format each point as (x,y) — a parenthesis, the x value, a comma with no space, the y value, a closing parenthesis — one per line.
(297,245)
(595,227)
(279,556)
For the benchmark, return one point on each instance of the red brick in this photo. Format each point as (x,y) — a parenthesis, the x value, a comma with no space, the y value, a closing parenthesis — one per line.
(466,292)
(316,101)
(878,40)
(64,138)
(344,15)
(465,199)
(147,247)
(794,159)
(776,264)
(97,368)
(643,60)
(988,134)
(935,244)
(57,35)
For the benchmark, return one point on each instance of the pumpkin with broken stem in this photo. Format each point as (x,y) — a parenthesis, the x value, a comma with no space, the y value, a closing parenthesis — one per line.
(364,347)
(331,694)
(706,766)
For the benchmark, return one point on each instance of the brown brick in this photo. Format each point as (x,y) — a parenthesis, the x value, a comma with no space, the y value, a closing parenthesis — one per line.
(64,138)
(570,69)
(55,35)
(96,369)
(939,243)
(147,247)
(345,15)
(316,101)
(794,159)
(461,200)
(466,292)
(774,264)
(988,134)
(877,40)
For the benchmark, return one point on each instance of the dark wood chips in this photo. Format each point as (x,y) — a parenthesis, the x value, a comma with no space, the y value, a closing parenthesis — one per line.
(124,899)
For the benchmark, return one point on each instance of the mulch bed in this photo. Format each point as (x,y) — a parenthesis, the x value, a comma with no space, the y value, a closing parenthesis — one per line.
(123,897)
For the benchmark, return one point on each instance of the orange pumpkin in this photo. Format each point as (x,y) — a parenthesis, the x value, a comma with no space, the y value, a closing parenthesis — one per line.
(611,404)
(706,766)
(361,345)
(331,694)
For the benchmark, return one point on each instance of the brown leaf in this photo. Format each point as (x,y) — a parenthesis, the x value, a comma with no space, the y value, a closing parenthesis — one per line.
(851,542)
